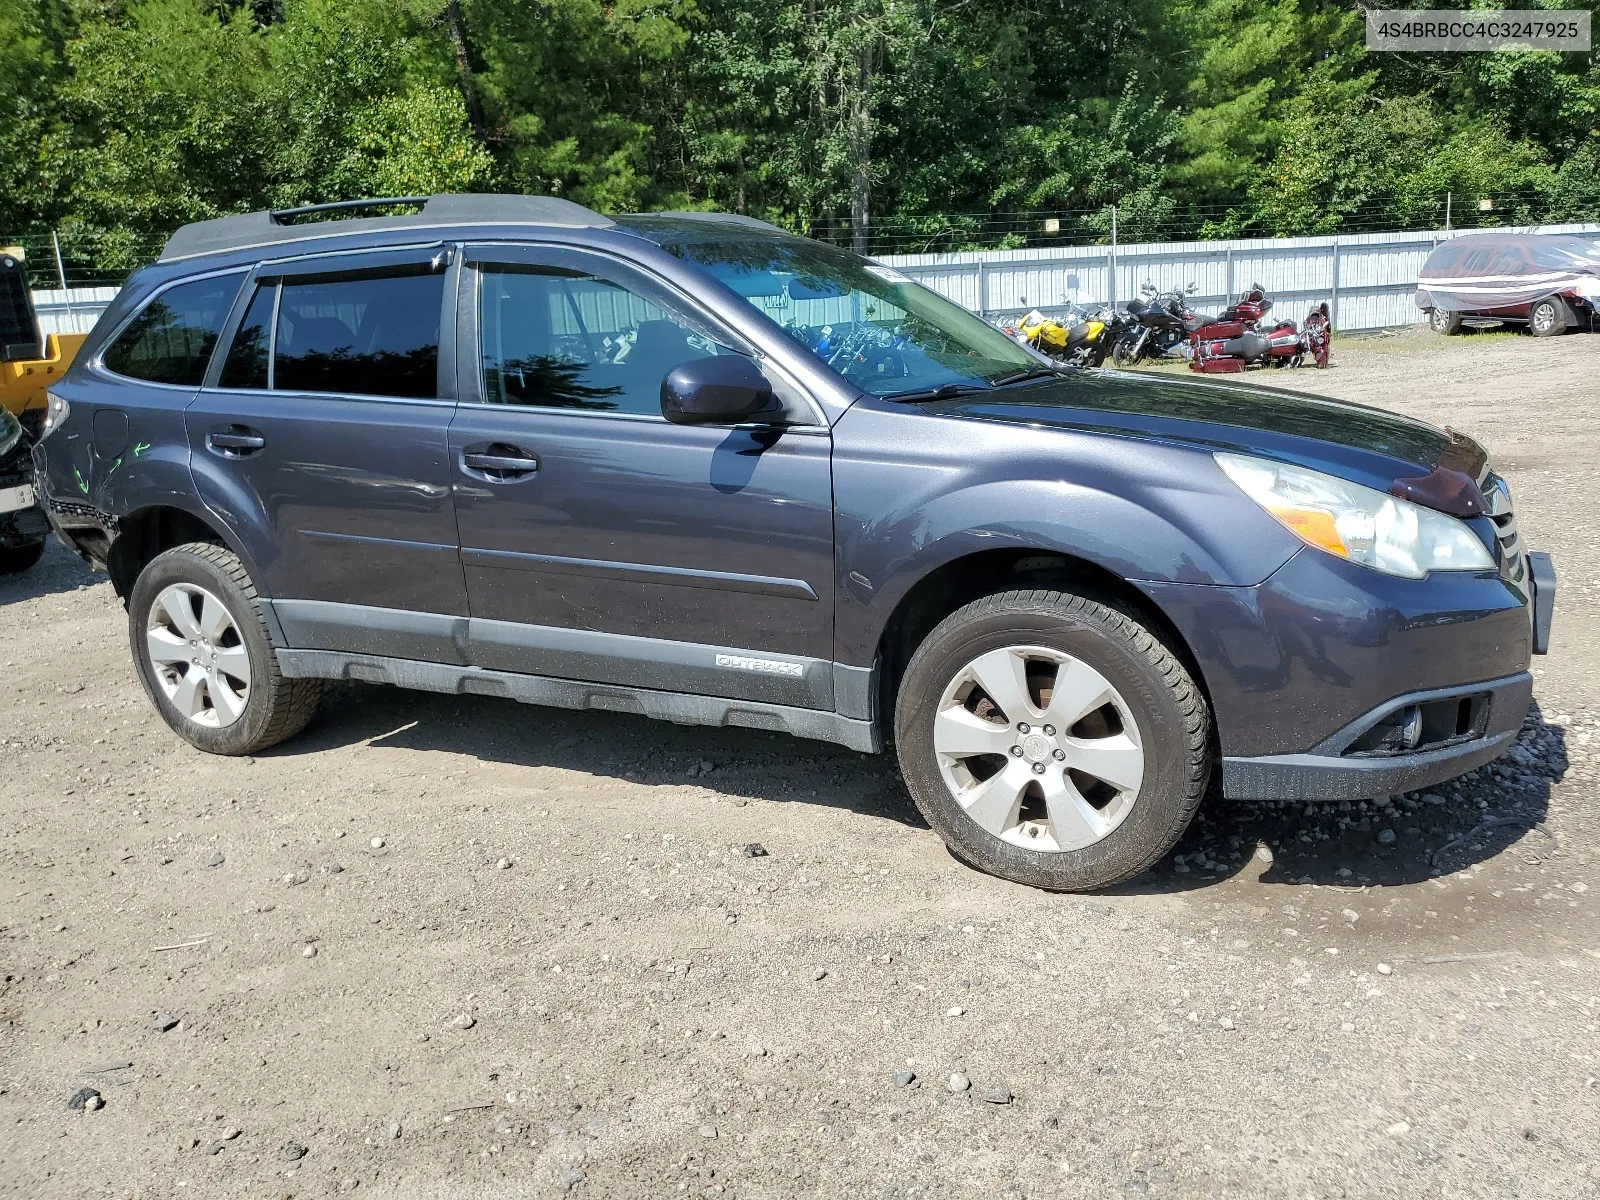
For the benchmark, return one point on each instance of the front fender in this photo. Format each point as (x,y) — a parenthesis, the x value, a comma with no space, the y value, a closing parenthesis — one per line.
(915,492)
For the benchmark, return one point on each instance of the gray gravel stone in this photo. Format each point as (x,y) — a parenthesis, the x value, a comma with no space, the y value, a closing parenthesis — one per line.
(959,1082)
(1386,837)
(85,1098)
(294,1151)
(217,859)
(996,1095)
(164,1021)
(904,1077)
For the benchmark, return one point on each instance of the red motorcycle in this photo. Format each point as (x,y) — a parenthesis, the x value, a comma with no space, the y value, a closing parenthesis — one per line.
(1237,337)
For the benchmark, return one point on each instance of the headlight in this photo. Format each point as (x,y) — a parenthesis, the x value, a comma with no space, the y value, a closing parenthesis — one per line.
(1358,523)
(56,414)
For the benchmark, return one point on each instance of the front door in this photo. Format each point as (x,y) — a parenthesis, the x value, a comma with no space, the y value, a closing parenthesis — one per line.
(601,542)
(322,440)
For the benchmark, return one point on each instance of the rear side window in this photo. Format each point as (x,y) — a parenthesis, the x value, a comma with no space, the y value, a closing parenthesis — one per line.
(172,338)
(1508,260)
(246,364)
(371,336)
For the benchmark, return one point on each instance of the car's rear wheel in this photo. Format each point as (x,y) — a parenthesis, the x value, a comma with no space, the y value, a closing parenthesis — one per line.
(1444,322)
(1052,740)
(200,644)
(1547,317)
(16,559)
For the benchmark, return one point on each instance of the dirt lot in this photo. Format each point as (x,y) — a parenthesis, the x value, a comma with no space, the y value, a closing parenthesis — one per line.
(458,947)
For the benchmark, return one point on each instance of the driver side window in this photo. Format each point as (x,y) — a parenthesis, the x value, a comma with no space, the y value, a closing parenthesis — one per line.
(562,339)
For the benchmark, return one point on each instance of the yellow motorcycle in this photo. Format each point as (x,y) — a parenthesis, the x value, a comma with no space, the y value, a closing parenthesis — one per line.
(1077,337)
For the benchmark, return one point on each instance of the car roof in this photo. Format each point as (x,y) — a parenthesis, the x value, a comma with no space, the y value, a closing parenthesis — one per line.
(281,229)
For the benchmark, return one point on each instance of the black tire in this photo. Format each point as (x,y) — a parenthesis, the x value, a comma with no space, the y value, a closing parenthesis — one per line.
(1122,354)
(1547,317)
(276,707)
(1447,323)
(1171,715)
(16,559)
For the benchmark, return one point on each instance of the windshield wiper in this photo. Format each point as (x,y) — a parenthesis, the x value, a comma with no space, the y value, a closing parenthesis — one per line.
(1040,372)
(945,391)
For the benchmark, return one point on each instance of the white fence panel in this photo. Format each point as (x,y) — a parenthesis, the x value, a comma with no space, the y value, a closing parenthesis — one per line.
(1368,280)
(72,311)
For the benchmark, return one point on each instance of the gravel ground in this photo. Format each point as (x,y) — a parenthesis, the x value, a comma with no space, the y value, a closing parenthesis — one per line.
(453,946)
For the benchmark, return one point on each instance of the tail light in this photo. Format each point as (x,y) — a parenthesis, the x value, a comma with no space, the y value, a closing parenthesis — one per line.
(55,414)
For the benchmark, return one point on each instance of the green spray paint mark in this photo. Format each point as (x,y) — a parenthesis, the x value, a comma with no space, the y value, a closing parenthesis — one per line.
(82,486)
(140,449)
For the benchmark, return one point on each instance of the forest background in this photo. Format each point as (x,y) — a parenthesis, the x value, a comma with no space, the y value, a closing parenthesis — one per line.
(890,125)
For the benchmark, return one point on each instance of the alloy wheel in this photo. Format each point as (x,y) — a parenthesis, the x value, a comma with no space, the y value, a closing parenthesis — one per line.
(200,660)
(1038,748)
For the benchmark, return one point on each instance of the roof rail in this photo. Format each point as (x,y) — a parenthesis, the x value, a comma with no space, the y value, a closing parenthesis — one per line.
(287,216)
(282,227)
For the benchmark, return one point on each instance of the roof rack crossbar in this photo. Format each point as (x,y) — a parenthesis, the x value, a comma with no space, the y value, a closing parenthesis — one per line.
(285,216)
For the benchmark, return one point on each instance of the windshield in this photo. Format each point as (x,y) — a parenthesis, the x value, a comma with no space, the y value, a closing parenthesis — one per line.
(879,329)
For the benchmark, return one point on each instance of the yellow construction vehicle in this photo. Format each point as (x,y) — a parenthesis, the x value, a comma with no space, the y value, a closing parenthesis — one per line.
(29,361)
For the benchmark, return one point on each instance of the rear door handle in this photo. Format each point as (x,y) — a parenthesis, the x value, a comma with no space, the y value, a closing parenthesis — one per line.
(236,441)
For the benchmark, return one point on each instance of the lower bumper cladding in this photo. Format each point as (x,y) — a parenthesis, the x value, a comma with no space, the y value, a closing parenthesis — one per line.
(1335,771)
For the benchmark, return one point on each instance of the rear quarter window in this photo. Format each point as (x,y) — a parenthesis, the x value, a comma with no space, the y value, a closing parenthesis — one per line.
(172,338)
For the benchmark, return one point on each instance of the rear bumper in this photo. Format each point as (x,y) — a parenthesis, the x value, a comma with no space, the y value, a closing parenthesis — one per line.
(1330,772)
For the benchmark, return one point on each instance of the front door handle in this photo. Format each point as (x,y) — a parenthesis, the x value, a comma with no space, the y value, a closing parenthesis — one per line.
(236,441)
(499,463)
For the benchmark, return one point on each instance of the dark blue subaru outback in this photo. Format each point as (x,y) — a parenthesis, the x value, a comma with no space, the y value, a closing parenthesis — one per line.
(694,467)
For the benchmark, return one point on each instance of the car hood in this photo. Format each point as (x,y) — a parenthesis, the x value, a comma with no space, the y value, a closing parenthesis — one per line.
(1365,445)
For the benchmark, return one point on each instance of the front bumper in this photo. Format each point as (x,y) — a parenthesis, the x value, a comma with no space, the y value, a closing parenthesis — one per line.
(1301,667)
(1332,772)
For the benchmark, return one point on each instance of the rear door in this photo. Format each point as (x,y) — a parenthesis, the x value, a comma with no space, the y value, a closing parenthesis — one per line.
(601,542)
(322,439)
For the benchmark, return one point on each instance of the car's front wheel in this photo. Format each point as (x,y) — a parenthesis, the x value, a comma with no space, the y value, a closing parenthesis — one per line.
(200,644)
(1444,322)
(1052,740)
(1547,318)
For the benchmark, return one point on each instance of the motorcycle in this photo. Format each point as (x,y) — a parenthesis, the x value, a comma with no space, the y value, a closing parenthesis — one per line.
(1163,322)
(1079,338)
(1237,338)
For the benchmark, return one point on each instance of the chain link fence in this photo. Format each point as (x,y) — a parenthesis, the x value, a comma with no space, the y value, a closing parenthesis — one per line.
(76,258)
(56,261)
(1035,229)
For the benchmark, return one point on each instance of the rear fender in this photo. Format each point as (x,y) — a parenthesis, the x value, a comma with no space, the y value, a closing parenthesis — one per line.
(238,509)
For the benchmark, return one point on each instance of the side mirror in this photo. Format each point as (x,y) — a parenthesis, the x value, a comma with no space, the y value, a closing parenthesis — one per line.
(728,389)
